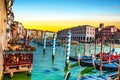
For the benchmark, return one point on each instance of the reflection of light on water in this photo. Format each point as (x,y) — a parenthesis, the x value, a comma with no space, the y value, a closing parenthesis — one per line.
(43,68)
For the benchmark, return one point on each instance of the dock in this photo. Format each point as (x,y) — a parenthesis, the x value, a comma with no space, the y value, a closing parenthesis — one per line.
(17,63)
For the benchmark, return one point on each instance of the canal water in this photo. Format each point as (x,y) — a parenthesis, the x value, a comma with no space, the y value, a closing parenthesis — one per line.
(44,68)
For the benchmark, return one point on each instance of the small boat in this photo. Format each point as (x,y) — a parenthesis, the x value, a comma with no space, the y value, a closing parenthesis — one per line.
(86,62)
(106,66)
(75,58)
(105,59)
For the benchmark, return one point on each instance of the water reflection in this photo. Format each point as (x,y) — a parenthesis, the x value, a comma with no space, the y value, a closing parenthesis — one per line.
(44,68)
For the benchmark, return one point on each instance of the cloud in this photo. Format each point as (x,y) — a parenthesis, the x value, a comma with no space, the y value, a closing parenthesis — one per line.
(105,14)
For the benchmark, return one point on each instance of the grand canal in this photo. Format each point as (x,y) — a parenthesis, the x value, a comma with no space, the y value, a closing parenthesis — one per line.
(44,68)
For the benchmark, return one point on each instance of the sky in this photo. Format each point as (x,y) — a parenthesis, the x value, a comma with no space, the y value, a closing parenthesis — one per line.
(54,15)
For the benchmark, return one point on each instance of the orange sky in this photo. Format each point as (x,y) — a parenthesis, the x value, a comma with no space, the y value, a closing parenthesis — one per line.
(58,25)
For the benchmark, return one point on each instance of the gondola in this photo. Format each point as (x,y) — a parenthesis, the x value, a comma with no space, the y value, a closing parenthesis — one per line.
(75,58)
(106,66)
(86,62)
(105,59)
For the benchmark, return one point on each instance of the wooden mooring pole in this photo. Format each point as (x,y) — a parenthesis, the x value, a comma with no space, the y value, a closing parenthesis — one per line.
(84,47)
(95,48)
(68,50)
(110,51)
(90,48)
(101,55)
(54,42)
(44,48)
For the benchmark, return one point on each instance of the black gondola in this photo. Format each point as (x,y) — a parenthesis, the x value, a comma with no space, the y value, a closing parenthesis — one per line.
(106,66)
(86,62)
(75,58)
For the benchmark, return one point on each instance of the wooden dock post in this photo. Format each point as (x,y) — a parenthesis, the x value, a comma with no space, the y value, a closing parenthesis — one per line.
(68,50)
(54,42)
(11,74)
(101,55)
(75,49)
(90,48)
(84,47)
(44,48)
(79,47)
(110,51)
(95,48)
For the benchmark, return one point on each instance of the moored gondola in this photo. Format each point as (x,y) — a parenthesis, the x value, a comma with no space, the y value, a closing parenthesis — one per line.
(86,63)
(75,58)
(106,66)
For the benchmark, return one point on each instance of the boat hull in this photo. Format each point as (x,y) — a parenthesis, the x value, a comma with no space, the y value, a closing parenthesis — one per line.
(106,66)
(86,62)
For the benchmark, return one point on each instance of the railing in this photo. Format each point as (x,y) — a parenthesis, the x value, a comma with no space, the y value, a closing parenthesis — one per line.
(16,60)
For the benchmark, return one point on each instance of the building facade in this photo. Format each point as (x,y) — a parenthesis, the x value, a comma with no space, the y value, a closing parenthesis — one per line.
(116,36)
(5,12)
(107,32)
(79,33)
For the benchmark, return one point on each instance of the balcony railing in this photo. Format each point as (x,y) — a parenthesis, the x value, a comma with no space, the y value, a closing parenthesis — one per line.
(16,60)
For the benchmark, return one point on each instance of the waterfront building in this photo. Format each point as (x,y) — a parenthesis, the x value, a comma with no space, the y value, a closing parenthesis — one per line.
(15,31)
(107,32)
(116,36)
(5,13)
(9,25)
(49,34)
(34,33)
(79,33)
